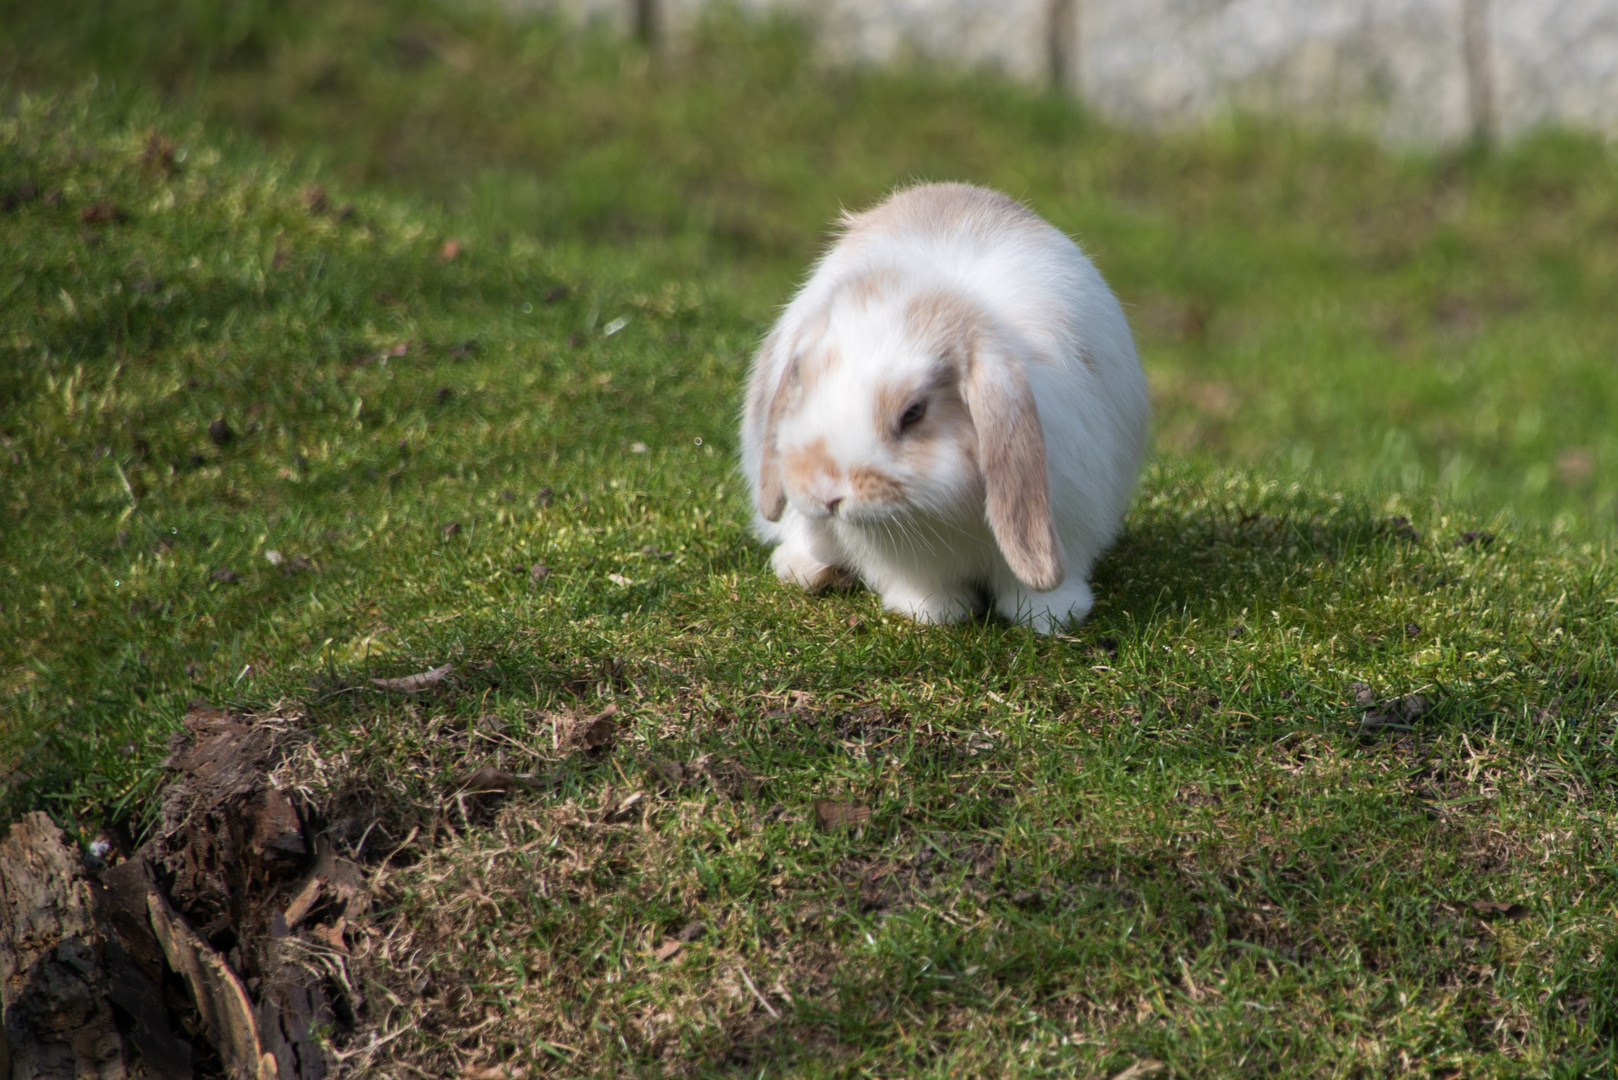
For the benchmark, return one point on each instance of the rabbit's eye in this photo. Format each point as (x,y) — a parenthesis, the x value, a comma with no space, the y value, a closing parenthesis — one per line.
(912,416)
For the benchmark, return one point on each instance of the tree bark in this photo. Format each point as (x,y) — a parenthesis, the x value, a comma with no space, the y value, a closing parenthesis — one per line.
(53,984)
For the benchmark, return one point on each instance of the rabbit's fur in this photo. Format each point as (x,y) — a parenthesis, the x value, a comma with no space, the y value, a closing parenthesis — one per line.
(951,410)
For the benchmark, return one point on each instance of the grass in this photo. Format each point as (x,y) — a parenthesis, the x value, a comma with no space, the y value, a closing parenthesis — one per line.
(1176,835)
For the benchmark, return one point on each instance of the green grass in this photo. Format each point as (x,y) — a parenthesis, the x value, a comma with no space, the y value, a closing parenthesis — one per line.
(1172,835)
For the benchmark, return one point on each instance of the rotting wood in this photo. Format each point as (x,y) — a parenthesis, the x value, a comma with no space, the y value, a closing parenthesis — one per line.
(94,963)
(53,986)
(227,1013)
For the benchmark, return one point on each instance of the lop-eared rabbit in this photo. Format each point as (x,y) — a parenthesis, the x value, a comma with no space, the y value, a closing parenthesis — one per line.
(950,410)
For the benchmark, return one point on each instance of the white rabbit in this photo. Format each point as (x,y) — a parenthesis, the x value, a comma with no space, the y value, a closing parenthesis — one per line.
(951,410)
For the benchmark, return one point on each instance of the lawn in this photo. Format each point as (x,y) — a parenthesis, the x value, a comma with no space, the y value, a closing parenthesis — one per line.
(342,341)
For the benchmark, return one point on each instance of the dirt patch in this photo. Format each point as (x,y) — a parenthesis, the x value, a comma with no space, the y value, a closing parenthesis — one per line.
(238,938)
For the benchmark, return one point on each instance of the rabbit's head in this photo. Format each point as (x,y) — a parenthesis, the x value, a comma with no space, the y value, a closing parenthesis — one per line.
(901,400)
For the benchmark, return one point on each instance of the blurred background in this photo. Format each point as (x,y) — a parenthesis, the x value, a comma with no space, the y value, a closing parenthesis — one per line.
(1412,71)
(1367,243)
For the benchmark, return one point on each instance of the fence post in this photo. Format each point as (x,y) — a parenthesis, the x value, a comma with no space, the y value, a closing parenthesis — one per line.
(1062,44)
(1478,60)
(646,21)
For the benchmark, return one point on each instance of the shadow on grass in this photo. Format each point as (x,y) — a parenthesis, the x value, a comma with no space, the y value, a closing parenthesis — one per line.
(1204,563)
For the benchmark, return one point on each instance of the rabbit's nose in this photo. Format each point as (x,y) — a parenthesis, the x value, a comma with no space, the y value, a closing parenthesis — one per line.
(827,491)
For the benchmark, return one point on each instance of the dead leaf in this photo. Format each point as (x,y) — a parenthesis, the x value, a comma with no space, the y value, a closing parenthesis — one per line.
(584,733)
(11,198)
(415,684)
(538,573)
(494,1072)
(620,580)
(1414,706)
(1491,908)
(1575,465)
(600,730)
(690,932)
(1399,713)
(669,948)
(1143,1067)
(396,351)
(451,248)
(489,778)
(614,811)
(1402,528)
(730,778)
(102,213)
(449,530)
(331,873)
(333,934)
(671,774)
(160,152)
(832,814)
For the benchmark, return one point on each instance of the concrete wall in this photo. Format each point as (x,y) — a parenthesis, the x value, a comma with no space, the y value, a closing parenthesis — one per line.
(1411,71)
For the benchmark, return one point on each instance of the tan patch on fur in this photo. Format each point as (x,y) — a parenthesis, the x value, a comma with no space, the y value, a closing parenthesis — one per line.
(813,330)
(810,359)
(803,465)
(873,285)
(947,321)
(873,485)
(813,365)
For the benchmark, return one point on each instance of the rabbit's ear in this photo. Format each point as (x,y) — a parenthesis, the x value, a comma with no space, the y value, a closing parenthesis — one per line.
(766,401)
(1011,453)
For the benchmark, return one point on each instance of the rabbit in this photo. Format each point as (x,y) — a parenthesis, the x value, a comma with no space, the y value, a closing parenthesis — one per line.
(950,410)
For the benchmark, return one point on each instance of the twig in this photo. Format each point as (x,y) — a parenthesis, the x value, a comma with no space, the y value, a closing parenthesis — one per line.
(767,1006)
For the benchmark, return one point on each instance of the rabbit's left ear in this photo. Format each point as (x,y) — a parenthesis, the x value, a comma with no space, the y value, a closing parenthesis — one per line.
(1011,452)
(767,399)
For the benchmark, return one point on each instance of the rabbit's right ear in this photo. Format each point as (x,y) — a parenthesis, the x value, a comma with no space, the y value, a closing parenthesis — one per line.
(1011,453)
(767,396)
